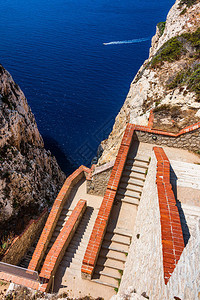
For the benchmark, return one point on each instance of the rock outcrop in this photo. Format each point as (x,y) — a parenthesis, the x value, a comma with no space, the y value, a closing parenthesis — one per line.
(168,81)
(29,175)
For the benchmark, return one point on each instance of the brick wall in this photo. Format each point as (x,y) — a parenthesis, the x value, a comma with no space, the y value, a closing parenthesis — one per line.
(188,138)
(97,183)
(25,240)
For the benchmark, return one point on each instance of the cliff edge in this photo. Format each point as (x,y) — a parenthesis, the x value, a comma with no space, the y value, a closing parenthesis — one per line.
(30,177)
(169,80)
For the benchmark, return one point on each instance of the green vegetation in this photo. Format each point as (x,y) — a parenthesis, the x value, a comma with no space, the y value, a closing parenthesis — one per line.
(120,272)
(116,290)
(119,281)
(188,3)
(161,27)
(174,110)
(170,52)
(193,39)
(177,46)
(189,78)
(183,11)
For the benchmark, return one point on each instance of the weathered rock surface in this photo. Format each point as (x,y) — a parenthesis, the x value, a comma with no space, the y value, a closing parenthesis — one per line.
(29,175)
(176,107)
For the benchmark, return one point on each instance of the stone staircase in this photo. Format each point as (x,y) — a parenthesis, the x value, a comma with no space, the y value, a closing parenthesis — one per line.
(115,246)
(65,213)
(27,258)
(73,256)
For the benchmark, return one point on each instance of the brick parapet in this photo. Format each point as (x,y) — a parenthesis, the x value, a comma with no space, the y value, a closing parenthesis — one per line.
(171,230)
(58,249)
(20,280)
(54,216)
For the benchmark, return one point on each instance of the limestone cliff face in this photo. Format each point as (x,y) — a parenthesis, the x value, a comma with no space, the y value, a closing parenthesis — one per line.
(29,175)
(168,81)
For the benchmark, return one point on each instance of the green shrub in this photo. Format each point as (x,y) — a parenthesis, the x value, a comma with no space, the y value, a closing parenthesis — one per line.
(188,3)
(161,27)
(189,78)
(170,51)
(193,38)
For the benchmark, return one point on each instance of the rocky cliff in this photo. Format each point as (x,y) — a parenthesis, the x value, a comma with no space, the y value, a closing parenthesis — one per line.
(29,175)
(169,80)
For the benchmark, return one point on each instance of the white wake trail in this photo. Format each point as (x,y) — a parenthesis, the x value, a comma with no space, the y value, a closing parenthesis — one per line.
(127,41)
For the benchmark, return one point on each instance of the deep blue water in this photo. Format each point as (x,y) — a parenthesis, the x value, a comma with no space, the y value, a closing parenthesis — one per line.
(75,85)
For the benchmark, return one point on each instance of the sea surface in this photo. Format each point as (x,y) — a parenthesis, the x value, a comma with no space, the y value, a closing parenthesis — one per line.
(74,83)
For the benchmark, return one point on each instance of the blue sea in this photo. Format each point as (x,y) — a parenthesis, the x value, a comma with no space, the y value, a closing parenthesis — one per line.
(74,83)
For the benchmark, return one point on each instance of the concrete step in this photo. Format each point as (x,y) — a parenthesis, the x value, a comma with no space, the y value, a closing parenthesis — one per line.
(109,281)
(108,272)
(104,283)
(130,187)
(128,193)
(110,263)
(117,238)
(115,255)
(128,200)
(129,180)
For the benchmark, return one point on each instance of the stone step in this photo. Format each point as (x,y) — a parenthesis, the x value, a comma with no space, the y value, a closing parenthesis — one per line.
(104,283)
(142,159)
(129,180)
(108,272)
(113,249)
(130,187)
(137,164)
(128,193)
(109,281)
(128,200)
(122,231)
(110,263)
(134,175)
(135,169)
(112,255)
(117,238)
(77,243)
(115,245)
(74,260)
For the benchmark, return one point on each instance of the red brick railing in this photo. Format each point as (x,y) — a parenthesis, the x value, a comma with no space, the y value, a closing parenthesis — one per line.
(54,216)
(58,249)
(100,225)
(171,230)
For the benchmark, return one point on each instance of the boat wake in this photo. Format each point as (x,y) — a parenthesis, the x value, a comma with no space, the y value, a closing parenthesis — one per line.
(127,41)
